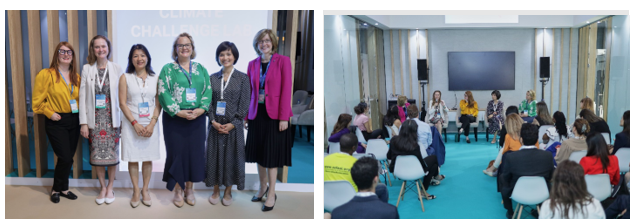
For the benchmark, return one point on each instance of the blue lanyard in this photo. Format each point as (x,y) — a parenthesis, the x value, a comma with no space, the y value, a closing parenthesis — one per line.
(71,86)
(262,75)
(189,77)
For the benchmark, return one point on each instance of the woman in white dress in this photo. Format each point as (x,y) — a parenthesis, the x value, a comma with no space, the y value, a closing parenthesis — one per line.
(139,103)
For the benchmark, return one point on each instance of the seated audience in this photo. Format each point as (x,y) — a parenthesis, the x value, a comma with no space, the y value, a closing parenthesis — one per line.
(494,114)
(406,144)
(402,106)
(366,204)
(503,130)
(560,132)
(512,141)
(341,128)
(437,111)
(543,117)
(597,160)
(528,106)
(338,165)
(469,114)
(424,134)
(362,121)
(569,197)
(528,161)
(577,143)
(391,122)
(620,208)
(622,139)
(597,124)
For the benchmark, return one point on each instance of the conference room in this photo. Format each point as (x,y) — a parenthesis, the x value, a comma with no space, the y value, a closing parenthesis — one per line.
(457,98)
(179,134)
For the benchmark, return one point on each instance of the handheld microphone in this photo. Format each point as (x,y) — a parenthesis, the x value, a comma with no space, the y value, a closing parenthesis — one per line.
(455,101)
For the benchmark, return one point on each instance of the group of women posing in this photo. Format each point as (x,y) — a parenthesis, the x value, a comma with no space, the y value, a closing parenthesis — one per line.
(88,105)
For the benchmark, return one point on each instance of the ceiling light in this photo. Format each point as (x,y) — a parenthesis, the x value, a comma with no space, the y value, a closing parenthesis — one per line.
(365,24)
(587,22)
(375,23)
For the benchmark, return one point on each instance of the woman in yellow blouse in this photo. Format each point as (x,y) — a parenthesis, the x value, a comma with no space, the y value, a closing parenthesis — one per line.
(469,113)
(55,95)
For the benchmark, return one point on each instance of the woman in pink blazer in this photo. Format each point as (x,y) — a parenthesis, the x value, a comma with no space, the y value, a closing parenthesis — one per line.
(269,143)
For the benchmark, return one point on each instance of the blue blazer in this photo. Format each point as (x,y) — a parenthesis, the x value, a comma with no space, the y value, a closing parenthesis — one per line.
(370,207)
(437,147)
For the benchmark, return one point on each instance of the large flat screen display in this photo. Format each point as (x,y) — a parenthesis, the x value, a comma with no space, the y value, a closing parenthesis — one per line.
(490,70)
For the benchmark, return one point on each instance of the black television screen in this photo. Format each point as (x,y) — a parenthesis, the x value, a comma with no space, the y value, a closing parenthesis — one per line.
(492,70)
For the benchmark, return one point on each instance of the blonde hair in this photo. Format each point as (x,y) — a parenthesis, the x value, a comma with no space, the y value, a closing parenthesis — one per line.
(587,103)
(174,51)
(532,94)
(514,125)
(260,35)
(401,100)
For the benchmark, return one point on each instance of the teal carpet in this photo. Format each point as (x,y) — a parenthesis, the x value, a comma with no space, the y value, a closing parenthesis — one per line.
(465,193)
(302,169)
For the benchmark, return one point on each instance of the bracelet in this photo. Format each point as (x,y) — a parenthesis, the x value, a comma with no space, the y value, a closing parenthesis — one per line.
(134,122)
(155,117)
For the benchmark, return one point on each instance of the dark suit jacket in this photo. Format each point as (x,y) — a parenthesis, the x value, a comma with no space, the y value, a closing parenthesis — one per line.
(365,208)
(622,140)
(600,127)
(527,162)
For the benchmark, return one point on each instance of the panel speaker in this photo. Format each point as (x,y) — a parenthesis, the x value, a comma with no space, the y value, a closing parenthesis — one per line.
(422,70)
(545,67)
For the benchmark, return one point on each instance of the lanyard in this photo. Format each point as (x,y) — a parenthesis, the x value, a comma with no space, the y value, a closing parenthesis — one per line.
(101,81)
(262,75)
(65,82)
(189,77)
(223,87)
(142,89)
(495,105)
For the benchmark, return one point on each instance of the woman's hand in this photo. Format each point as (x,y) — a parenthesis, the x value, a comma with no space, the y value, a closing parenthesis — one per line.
(535,122)
(363,145)
(282,125)
(184,113)
(140,130)
(490,116)
(227,127)
(195,113)
(149,129)
(218,127)
(84,131)
(55,117)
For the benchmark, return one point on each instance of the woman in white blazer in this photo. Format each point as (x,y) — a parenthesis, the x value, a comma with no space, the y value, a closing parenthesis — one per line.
(99,113)
(437,111)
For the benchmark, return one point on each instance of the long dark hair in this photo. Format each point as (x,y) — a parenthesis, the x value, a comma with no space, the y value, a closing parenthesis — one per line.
(130,63)
(597,147)
(343,122)
(391,115)
(589,116)
(626,122)
(407,140)
(560,124)
(543,111)
(568,188)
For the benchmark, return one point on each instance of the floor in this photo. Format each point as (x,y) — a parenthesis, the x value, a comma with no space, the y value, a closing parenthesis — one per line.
(465,193)
(33,202)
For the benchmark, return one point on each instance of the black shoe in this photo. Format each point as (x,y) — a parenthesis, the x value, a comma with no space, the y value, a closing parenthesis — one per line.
(258,199)
(535,214)
(69,195)
(468,141)
(54,198)
(509,214)
(265,208)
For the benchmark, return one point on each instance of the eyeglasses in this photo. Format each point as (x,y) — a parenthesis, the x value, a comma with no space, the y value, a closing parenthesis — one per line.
(69,52)
(188,46)
(267,41)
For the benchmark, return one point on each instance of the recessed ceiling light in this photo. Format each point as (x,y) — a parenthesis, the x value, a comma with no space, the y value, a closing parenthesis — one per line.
(587,22)
(365,24)
(598,22)
(376,24)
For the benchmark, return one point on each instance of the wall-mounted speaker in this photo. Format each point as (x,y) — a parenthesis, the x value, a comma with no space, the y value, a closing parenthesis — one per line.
(422,70)
(545,67)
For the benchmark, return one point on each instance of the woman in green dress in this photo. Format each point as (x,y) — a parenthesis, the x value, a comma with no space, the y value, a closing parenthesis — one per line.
(184,91)
(527,107)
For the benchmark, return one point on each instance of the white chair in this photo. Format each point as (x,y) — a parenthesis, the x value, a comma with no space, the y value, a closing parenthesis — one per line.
(599,186)
(529,190)
(408,168)
(304,119)
(606,137)
(623,154)
(334,147)
(360,136)
(337,193)
(358,156)
(379,149)
(577,155)
(458,125)
(541,132)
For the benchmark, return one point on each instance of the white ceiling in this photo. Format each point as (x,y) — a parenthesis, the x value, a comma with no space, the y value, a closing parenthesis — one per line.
(439,21)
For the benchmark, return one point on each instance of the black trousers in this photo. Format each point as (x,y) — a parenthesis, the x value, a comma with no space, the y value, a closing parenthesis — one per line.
(433,170)
(373,135)
(465,124)
(63,136)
